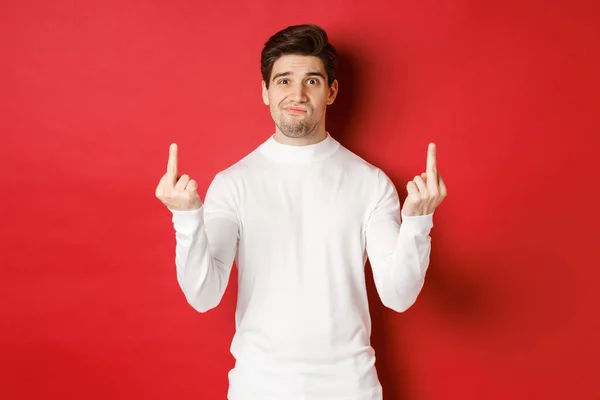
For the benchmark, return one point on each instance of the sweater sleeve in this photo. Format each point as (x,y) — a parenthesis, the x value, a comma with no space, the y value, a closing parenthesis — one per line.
(398,251)
(206,245)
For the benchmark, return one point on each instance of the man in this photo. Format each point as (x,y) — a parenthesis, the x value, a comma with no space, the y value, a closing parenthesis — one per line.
(300,215)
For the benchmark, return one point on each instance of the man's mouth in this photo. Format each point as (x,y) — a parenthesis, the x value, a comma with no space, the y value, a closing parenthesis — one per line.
(296,110)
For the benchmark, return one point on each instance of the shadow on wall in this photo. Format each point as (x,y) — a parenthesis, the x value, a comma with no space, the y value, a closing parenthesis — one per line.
(449,293)
(340,115)
(340,118)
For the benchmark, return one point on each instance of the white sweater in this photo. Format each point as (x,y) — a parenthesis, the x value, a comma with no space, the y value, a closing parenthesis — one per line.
(300,221)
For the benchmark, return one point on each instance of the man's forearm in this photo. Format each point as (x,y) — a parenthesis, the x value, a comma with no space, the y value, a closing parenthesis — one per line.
(203,265)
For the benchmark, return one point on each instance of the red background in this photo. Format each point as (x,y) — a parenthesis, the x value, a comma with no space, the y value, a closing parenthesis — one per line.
(92,94)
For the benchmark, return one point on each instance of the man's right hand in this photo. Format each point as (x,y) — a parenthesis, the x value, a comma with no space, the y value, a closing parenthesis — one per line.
(177,192)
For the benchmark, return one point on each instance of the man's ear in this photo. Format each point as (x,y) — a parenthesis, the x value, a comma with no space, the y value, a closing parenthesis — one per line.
(265,93)
(333,91)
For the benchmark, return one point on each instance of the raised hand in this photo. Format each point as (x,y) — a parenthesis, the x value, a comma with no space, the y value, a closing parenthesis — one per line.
(177,192)
(425,191)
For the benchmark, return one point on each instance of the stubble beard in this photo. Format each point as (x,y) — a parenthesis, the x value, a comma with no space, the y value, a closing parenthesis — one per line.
(295,127)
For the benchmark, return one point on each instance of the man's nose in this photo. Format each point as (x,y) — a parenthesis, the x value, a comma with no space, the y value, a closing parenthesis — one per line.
(298,93)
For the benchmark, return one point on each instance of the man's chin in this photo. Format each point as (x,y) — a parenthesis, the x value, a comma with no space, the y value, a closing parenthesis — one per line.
(294,129)
(295,134)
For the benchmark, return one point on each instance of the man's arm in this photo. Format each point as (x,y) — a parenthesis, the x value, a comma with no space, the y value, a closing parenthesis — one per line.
(399,252)
(206,234)
(206,245)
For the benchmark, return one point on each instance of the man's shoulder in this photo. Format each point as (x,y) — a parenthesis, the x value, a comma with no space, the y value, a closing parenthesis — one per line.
(241,167)
(357,164)
(227,181)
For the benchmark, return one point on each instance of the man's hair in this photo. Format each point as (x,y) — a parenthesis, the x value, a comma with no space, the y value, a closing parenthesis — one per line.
(305,40)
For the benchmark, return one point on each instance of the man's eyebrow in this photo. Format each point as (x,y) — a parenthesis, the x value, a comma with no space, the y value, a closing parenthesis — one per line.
(315,73)
(281,74)
(288,73)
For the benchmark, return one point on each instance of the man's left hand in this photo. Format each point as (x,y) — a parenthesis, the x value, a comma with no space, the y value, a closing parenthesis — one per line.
(425,191)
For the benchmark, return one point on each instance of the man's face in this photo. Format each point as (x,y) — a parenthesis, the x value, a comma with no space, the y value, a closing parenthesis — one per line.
(298,94)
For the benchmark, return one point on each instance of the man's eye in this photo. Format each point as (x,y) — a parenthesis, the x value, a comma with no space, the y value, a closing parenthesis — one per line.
(313,81)
(283,81)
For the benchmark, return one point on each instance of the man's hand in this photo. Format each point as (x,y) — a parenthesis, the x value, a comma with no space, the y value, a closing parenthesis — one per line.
(177,193)
(425,191)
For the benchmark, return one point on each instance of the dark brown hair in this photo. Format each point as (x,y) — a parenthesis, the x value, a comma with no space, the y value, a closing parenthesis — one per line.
(306,40)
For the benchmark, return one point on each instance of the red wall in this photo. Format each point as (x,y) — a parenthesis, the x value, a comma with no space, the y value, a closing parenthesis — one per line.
(91,95)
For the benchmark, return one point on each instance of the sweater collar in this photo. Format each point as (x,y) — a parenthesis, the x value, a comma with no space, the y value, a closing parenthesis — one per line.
(289,154)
